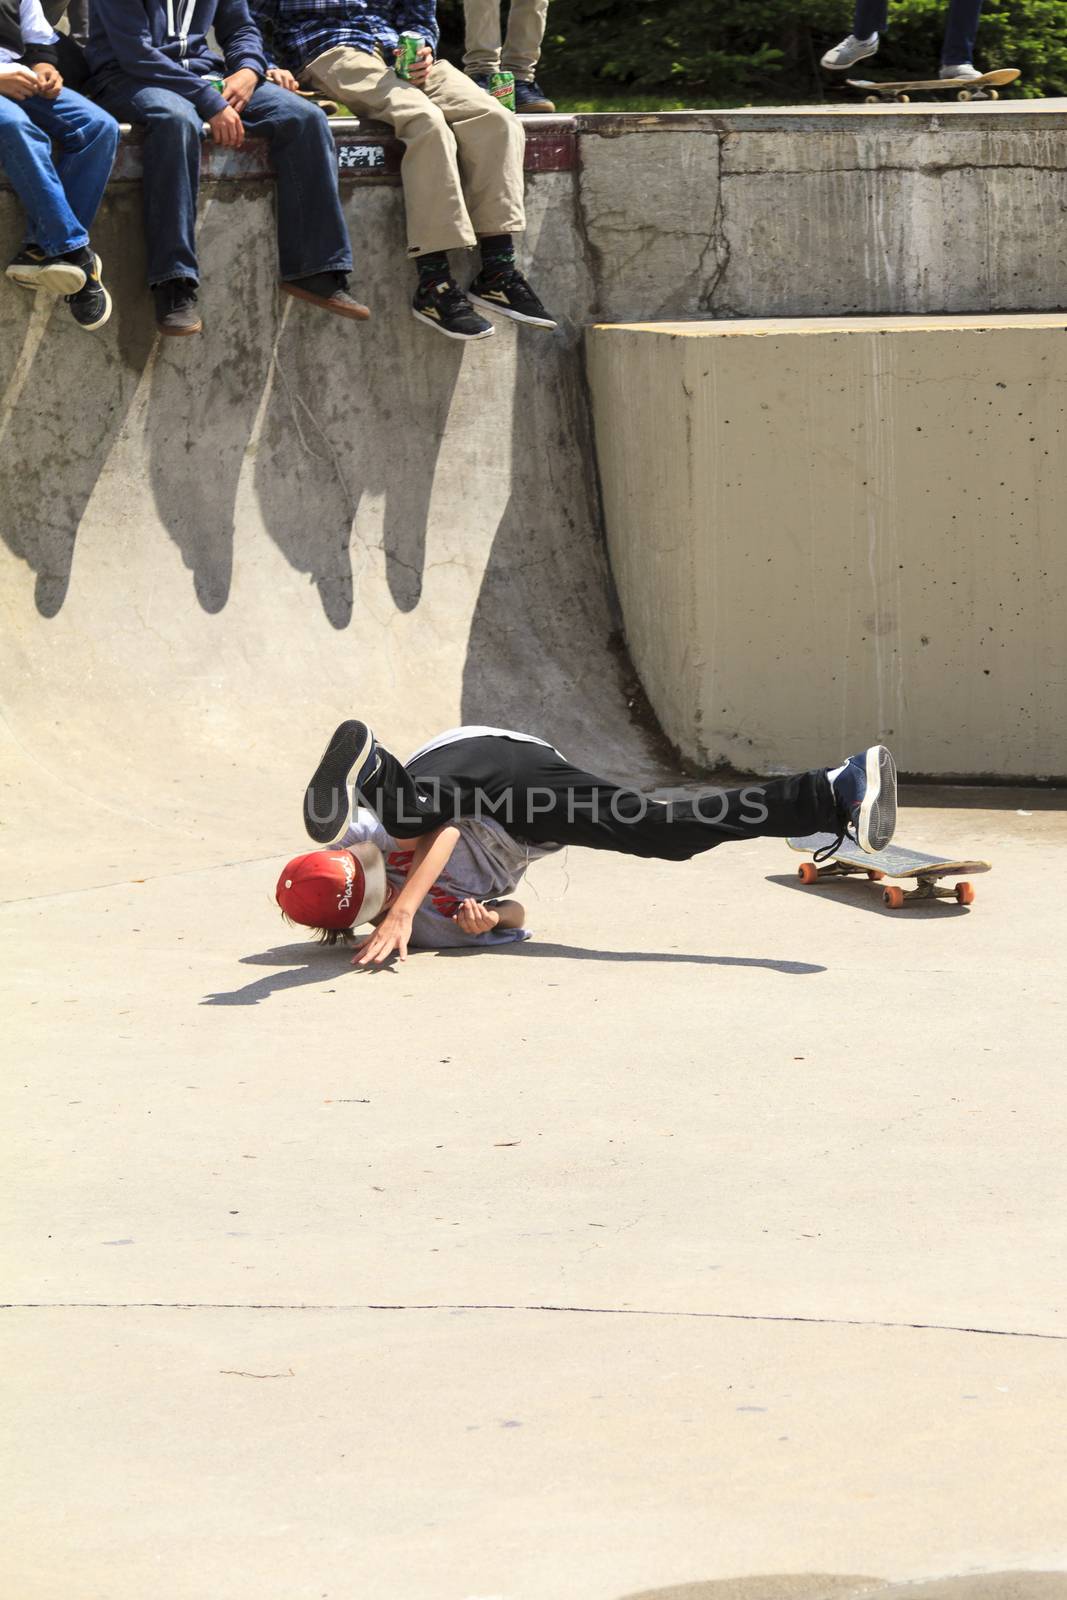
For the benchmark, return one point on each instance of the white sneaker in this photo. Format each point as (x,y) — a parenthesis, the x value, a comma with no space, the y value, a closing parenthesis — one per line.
(848,52)
(964,71)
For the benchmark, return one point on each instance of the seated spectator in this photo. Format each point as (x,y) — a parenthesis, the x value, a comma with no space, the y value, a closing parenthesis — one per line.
(519,54)
(62,191)
(462,168)
(151,64)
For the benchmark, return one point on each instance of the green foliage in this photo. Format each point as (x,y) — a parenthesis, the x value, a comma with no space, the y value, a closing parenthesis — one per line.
(739,51)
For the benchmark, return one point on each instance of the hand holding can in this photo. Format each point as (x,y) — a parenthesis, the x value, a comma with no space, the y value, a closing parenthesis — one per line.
(407,49)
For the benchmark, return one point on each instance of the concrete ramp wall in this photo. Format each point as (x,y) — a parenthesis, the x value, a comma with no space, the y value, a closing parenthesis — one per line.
(825,532)
(213,548)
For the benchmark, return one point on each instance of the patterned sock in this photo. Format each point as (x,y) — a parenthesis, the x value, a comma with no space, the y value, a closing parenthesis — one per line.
(432,266)
(498,254)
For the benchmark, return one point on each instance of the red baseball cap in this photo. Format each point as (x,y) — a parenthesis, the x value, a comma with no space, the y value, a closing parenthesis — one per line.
(333,888)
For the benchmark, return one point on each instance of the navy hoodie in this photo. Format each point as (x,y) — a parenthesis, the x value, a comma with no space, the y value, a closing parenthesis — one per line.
(163,44)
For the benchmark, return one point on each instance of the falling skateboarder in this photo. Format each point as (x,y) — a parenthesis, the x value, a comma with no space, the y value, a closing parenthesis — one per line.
(431,850)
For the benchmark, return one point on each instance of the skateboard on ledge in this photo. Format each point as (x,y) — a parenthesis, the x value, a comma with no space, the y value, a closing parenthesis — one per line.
(987,87)
(895,861)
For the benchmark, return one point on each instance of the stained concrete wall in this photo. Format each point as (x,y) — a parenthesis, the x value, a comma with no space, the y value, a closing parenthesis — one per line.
(819,211)
(829,532)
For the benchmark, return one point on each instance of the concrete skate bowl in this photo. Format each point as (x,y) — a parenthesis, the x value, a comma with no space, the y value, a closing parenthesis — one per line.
(814,1586)
(213,548)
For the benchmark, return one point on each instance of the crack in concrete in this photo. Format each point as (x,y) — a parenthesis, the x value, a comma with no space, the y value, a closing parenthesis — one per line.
(921,170)
(591,1311)
(718,243)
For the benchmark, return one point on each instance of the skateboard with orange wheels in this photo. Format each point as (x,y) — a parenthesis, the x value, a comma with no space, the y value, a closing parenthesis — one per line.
(848,861)
(987,87)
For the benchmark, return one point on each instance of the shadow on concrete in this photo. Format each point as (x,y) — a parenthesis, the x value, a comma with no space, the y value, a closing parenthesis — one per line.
(534,949)
(1014,1585)
(206,391)
(546,586)
(375,429)
(309,962)
(55,433)
(861,892)
(974,797)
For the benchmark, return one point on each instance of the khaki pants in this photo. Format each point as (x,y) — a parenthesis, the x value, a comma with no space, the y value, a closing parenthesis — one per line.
(522,46)
(462,166)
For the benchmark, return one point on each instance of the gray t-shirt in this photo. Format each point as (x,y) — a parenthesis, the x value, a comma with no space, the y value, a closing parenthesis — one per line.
(486,864)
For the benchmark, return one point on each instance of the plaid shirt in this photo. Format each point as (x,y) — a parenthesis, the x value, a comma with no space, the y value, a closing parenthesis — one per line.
(297,31)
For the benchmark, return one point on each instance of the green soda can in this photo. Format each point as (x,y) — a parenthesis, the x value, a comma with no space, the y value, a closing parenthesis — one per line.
(502,88)
(215,81)
(407,48)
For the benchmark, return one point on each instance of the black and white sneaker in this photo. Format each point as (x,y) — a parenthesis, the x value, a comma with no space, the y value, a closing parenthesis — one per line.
(510,295)
(91,306)
(32,269)
(348,763)
(444,306)
(865,793)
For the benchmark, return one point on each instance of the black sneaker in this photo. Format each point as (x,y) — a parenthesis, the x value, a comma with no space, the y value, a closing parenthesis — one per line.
(32,269)
(530,98)
(91,306)
(176,313)
(445,307)
(348,763)
(330,291)
(865,794)
(511,295)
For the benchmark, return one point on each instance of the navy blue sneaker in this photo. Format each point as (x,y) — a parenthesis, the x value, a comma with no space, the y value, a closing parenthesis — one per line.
(348,763)
(865,793)
(530,98)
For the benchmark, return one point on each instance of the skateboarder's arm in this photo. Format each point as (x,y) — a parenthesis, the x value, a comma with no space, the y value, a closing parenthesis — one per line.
(428,860)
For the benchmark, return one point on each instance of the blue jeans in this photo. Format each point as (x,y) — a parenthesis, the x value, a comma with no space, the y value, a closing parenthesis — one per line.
(61,194)
(961,27)
(312,236)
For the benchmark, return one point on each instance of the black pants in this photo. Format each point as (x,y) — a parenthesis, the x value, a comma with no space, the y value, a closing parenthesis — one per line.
(534,794)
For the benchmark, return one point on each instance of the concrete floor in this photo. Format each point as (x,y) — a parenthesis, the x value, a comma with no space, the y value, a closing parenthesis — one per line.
(747,1205)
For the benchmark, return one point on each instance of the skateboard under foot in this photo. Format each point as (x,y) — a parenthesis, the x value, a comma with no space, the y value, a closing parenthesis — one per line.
(896,861)
(987,87)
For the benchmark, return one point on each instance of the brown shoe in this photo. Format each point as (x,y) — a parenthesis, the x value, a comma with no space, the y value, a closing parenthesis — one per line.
(176,313)
(330,291)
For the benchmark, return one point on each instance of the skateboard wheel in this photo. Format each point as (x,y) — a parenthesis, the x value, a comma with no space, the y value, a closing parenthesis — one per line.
(994,94)
(904,99)
(808,873)
(965,894)
(874,876)
(893,897)
(871,99)
(964,94)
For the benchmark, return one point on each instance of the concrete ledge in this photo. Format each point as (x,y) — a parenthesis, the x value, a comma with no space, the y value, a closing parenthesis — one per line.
(798,211)
(827,531)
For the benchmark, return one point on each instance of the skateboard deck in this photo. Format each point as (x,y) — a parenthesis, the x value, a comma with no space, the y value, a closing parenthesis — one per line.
(896,861)
(987,87)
